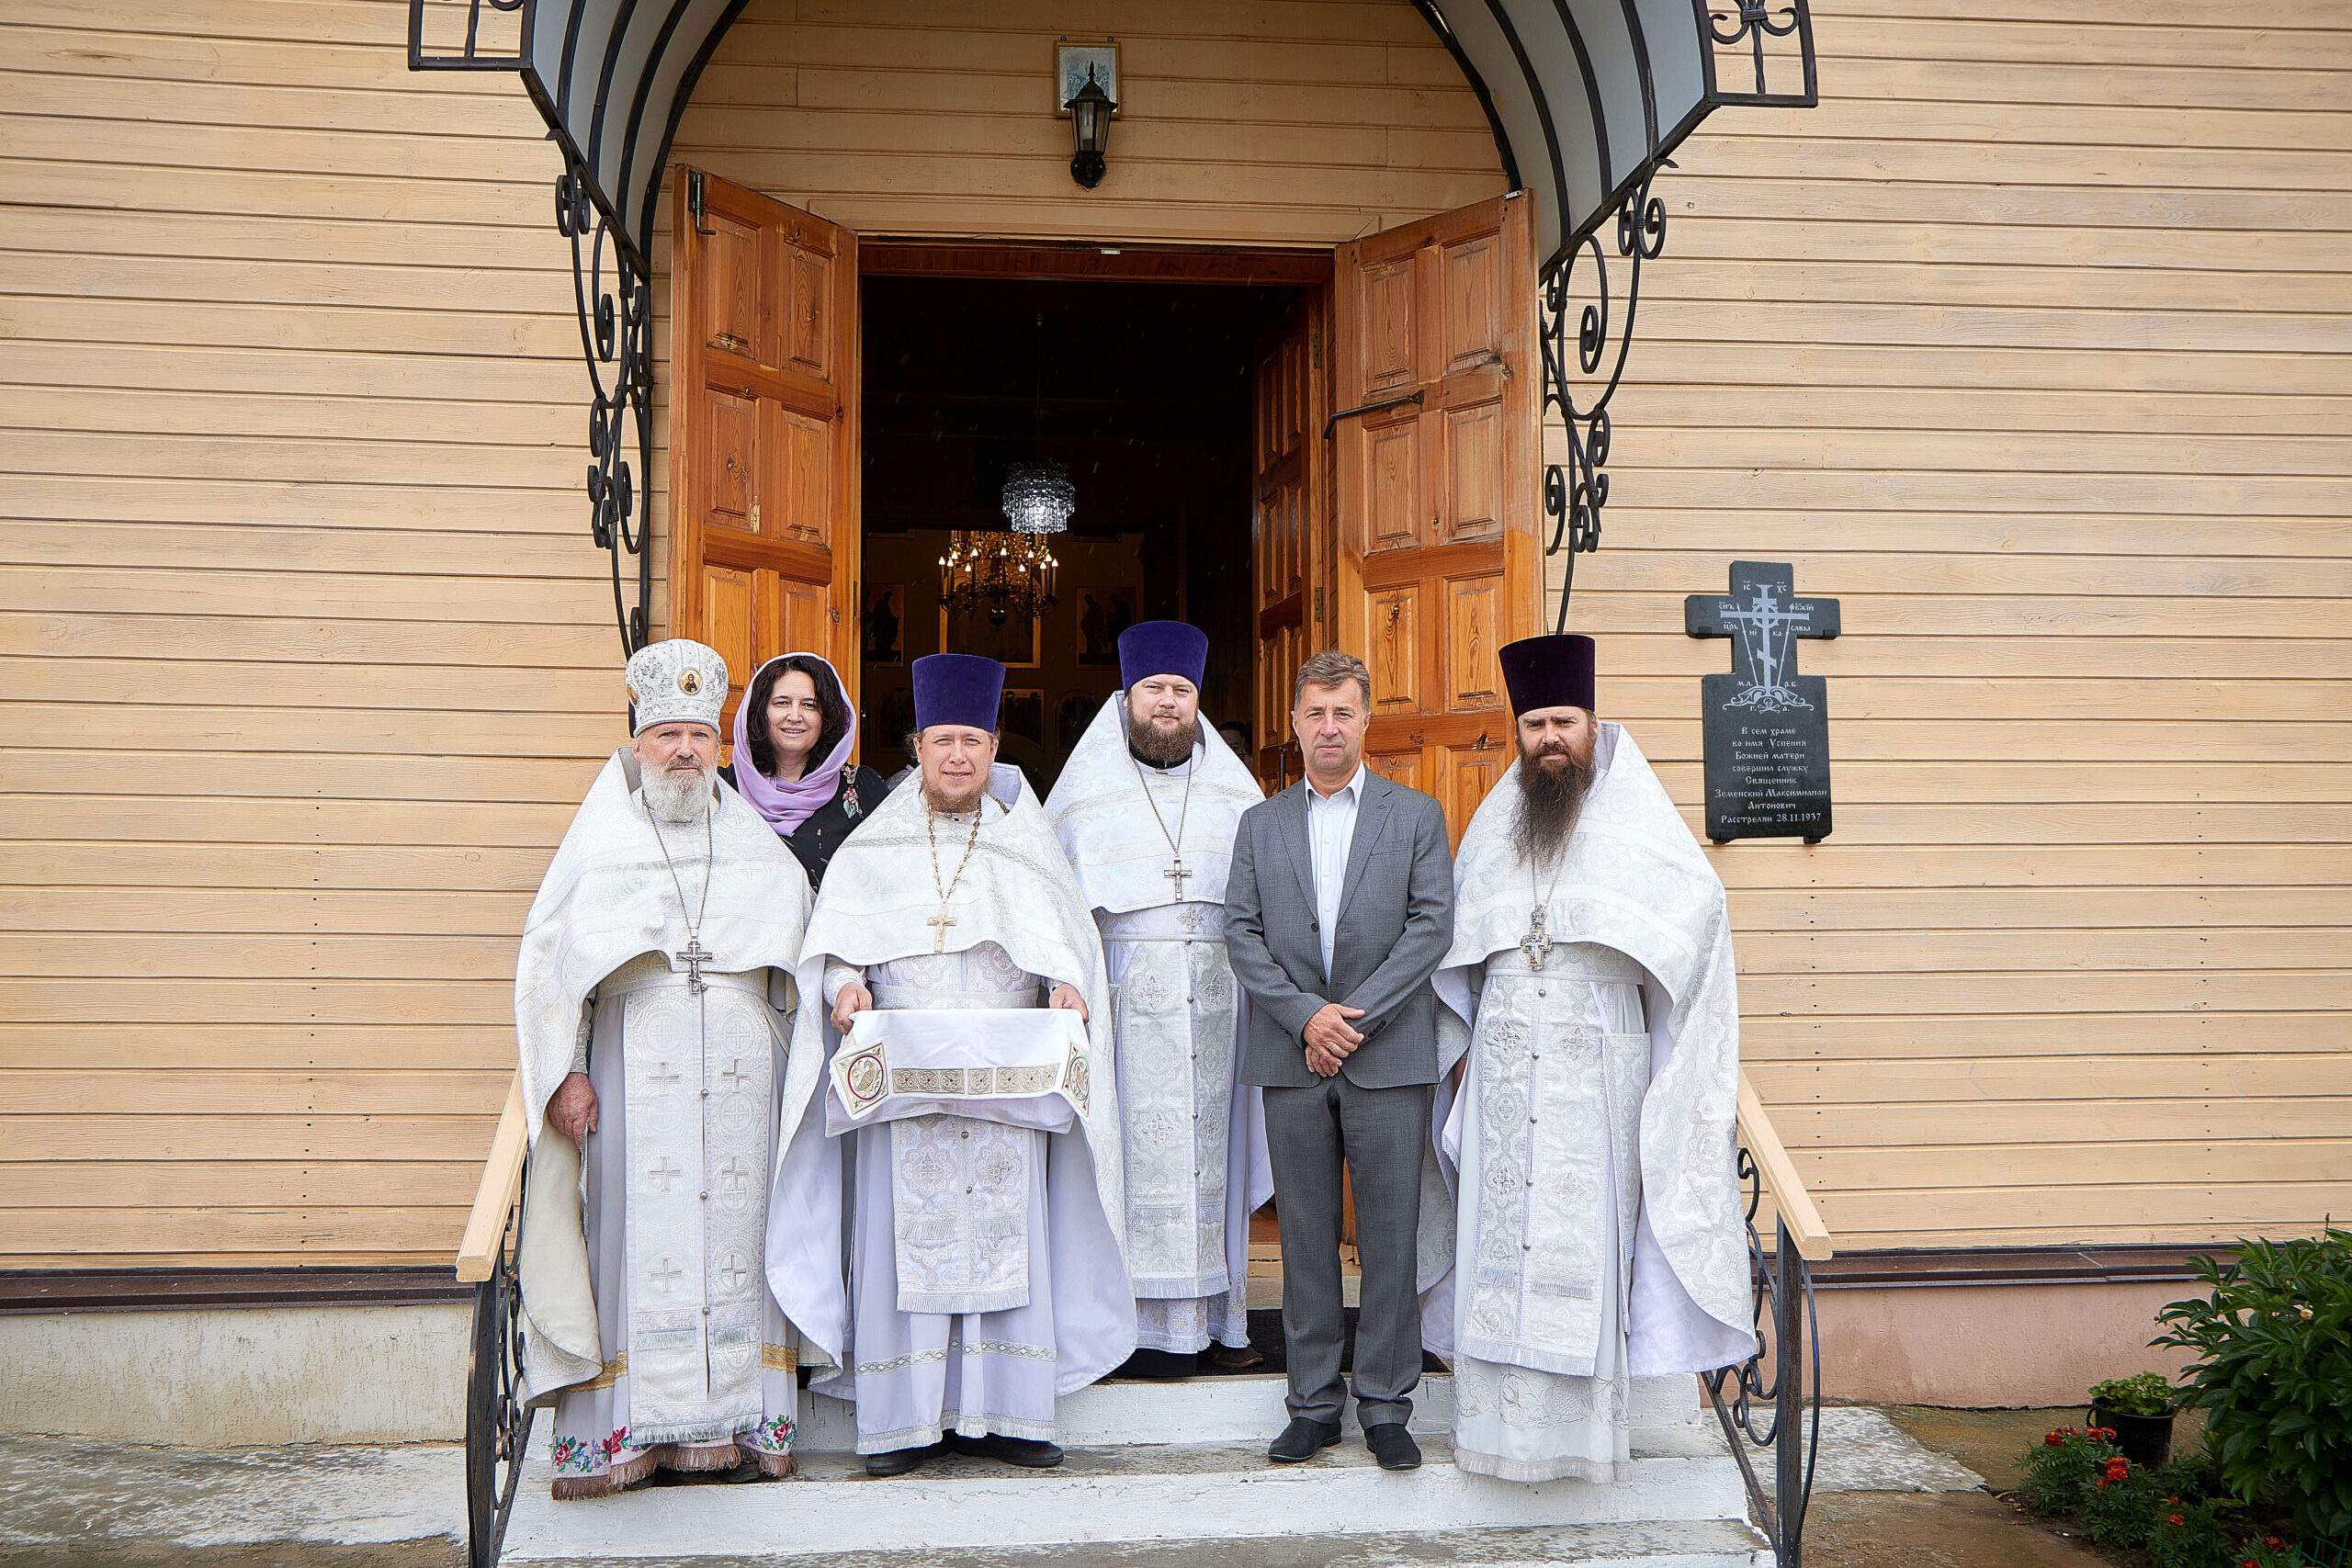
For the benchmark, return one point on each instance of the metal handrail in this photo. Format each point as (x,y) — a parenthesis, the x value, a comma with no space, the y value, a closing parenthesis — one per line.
(1787,1331)
(498,1424)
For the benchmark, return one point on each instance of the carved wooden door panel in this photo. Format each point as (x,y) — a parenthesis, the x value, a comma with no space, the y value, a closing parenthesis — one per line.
(1435,328)
(1293,528)
(763,481)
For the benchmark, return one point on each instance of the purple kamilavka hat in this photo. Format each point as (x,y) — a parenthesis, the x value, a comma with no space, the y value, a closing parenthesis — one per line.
(1162,648)
(957,688)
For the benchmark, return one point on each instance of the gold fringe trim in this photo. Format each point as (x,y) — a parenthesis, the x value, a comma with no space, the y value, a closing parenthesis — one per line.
(780,1357)
(614,1371)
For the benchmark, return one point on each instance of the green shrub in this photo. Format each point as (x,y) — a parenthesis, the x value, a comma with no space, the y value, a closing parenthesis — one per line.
(2142,1393)
(2058,1473)
(2121,1509)
(2187,1534)
(2274,1340)
(2266,1551)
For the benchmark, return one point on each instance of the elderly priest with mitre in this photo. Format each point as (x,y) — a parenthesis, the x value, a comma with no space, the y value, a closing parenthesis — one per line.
(1588,1132)
(968,1024)
(1146,808)
(653,1001)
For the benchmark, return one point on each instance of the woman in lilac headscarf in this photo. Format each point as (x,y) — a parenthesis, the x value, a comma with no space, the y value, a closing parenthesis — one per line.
(793,737)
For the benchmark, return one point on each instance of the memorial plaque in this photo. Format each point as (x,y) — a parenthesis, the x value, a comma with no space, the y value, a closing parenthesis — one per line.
(1766,727)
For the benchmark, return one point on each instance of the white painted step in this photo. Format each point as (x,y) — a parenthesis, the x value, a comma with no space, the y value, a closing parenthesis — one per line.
(1166,1467)
(1669,1544)
(1226,1408)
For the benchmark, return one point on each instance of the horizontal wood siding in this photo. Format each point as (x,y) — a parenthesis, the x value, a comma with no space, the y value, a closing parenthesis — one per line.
(307,654)
(2029,347)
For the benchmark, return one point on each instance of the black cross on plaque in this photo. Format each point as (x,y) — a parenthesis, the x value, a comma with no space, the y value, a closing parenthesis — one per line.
(1766,727)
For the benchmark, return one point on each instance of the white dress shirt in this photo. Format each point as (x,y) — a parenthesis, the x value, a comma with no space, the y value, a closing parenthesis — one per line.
(1330,829)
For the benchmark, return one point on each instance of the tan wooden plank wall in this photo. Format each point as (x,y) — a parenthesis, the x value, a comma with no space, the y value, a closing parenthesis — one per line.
(306,653)
(2028,347)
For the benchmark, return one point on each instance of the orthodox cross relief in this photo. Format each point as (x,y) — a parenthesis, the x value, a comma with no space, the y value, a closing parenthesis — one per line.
(1766,727)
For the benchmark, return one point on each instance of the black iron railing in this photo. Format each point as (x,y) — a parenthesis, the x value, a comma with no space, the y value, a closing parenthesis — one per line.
(498,1425)
(1764,1403)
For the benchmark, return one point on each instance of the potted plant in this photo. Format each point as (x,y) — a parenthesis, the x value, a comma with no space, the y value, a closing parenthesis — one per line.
(2139,1411)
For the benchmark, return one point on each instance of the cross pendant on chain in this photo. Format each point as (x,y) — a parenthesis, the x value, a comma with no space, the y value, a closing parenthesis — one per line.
(1176,875)
(693,955)
(939,924)
(1536,942)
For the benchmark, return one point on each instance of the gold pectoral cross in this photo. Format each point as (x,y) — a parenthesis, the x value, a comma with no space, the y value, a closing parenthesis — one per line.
(939,924)
(693,955)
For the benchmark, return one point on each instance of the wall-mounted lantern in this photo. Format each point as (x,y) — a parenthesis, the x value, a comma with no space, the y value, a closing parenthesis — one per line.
(1089,118)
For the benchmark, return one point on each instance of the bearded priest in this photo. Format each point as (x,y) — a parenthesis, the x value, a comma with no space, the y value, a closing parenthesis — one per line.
(1146,809)
(653,1000)
(1590,1029)
(967,1021)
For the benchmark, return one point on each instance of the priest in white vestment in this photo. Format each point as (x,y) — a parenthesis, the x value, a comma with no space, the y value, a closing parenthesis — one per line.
(1590,1030)
(1146,809)
(654,1002)
(986,1277)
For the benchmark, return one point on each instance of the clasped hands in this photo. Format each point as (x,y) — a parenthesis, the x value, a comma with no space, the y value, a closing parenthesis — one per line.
(855,999)
(1328,1038)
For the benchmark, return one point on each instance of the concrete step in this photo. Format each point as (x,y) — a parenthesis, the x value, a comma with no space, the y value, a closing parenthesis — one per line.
(1667,1544)
(1228,1408)
(1128,1495)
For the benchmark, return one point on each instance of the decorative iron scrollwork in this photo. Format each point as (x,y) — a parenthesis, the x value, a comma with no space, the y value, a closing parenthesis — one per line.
(1575,491)
(1788,1332)
(616,331)
(498,1426)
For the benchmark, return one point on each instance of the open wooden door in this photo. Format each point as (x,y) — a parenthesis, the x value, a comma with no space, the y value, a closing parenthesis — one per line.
(1292,541)
(1435,341)
(763,477)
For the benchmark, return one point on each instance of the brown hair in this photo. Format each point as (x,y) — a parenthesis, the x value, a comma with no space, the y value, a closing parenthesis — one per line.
(833,710)
(1330,668)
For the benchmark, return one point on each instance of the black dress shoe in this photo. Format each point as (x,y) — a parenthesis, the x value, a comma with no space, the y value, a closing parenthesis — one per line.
(1302,1440)
(898,1462)
(1236,1357)
(1161,1366)
(1393,1446)
(1029,1453)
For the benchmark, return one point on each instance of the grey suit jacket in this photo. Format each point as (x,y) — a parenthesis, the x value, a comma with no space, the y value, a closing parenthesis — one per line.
(1396,924)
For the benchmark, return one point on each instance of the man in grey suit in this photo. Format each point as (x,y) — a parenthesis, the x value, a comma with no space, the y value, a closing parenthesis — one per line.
(1338,909)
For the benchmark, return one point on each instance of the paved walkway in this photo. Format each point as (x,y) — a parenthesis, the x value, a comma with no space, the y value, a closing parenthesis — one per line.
(1903,1488)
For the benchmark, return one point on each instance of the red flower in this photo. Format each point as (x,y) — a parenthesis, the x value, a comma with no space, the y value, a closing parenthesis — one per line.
(2055,1439)
(2118,1468)
(2174,1520)
(2273,1542)
(2100,1484)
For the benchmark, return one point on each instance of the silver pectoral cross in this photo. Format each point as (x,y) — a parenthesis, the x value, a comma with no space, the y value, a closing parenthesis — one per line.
(939,924)
(1176,875)
(1536,942)
(693,955)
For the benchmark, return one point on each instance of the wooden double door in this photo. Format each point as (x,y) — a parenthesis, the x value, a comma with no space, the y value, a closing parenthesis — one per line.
(1397,456)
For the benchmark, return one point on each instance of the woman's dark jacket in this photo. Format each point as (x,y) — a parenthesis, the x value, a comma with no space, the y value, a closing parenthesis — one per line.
(862,790)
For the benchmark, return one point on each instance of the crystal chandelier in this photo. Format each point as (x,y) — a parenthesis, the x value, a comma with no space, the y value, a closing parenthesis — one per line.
(1039,498)
(998,574)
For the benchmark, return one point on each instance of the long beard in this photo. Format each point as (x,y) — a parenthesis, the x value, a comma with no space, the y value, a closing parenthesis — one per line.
(1161,751)
(1544,816)
(678,797)
(947,804)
